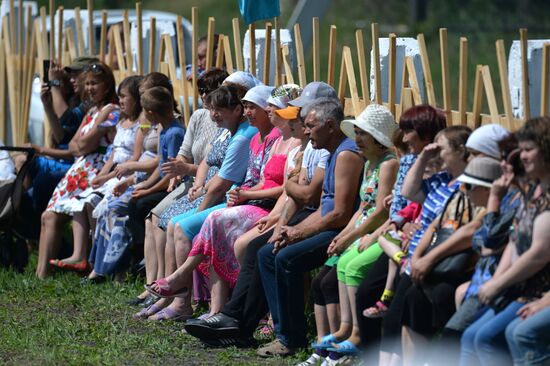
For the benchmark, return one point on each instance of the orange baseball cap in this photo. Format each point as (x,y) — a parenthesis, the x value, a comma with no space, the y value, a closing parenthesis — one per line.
(288,113)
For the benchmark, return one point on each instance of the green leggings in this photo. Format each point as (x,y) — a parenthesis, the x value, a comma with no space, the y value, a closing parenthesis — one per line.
(354,265)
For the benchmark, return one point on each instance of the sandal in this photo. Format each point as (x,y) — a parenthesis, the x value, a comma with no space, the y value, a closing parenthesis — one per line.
(344,348)
(80,266)
(164,290)
(147,312)
(170,314)
(377,311)
(326,342)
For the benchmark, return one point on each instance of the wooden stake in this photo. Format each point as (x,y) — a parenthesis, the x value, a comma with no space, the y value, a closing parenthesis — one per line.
(504,85)
(44,49)
(352,82)
(183,62)
(139,20)
(252,42)
(544,80)
(426,70)
(490,92)
(167,40)
(376,60)
(445,74)
(524,75)
(413,80)
(210,42)
(52,30)
(30,52)
(362,61)
(316,48)
(478,97)
(267,53)
(91,45)
(69,36)
(463,80)
(407,100)
(392,73)
(220,51)
(342,81)
(237,44)
(288,67)
(195,22)
(152,43)
(20,12)
(118,50)
(13,33)
(278,54)
(79,33)
(227,53)
(103,37)
(300,55)
(127,43)
(331,55)
(3,86)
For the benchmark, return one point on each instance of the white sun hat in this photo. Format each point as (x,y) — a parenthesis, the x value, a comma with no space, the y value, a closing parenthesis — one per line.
(376,120)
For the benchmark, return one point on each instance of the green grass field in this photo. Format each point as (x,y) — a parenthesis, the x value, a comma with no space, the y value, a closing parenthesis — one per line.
(60,321)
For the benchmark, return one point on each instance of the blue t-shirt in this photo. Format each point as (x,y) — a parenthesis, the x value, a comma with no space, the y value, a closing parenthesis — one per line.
(235,163)
(170,140)
(437,193)
(329,186)
(398,201)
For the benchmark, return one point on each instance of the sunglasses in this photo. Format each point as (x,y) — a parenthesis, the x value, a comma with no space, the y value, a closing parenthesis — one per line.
(94,69)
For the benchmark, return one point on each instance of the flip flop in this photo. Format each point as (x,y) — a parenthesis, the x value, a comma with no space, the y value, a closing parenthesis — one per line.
(377,311)
(164,290)
(147,312)
(170,314)
(80,266)
(326,342)
(344,348)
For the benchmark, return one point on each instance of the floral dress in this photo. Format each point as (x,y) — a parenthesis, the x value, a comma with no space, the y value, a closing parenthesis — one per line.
(223,227)
(76,184)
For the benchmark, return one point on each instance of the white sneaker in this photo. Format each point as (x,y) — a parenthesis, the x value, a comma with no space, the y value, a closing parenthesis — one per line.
(345,360)
(312,360)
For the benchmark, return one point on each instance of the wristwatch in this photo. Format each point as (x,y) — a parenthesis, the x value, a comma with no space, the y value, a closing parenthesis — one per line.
(55,83)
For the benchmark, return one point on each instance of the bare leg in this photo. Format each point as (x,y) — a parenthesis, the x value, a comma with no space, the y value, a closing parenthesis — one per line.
(242,242)
(150,252)
(413,344)
(50,239)
(345,313)
(460,293)
(333,315)
(161,249)
(355,336)
(219,292)
(183,246)
(81,237)
(321,321)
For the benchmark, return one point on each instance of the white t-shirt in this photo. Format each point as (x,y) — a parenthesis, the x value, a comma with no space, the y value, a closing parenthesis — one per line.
(313,159)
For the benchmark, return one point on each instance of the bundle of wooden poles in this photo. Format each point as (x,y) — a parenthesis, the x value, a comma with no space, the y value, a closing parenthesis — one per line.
(23,50)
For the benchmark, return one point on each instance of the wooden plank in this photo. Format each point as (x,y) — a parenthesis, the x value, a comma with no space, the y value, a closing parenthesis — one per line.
(79,33)
(21,11)
(316,50)
(351,81)
(287,65)
(194,35)
(447,106)
(139,20)
(342,81)
(267,53)
(331,55)
(490,93)
(171,58)
(111,53)
(463,80)
(413,80)
(52,29)
(10,70)
(362,62)
(237,44)
(544,80)
(392,73)
(103,36)
(127,43)
(252,43)
(12,34)
(210,42)
(70,43)
(504,84)
(3,86)
(278,55)
(220,56)
(152,43)
(301,61)
(524,75)
(407,100)
(376,60)
(182,62)
(426,70)
(228,56)
(478,97)
(44,49)
(30,59)
(91,45)
(59,33)
(118,50)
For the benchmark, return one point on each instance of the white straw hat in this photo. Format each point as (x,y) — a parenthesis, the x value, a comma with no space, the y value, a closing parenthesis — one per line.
(377,120)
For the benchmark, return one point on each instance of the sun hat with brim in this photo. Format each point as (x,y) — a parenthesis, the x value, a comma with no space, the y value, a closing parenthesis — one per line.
(282,95)
(312,91)
(376,120)
(80,63)
(243,78)
(288,113)
(258,95)
(481,171)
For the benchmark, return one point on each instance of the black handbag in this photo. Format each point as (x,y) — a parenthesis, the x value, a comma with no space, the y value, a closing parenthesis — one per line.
(455,266)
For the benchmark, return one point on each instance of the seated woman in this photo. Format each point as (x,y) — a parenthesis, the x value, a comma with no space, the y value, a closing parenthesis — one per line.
(89,145)
(523,273)
(373,131)
(122,150)
(222,168)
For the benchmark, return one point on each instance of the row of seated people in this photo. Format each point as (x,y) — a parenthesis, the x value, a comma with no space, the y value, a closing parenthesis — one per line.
(427,237)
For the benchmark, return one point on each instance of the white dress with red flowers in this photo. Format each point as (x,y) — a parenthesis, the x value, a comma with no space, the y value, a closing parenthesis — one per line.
(76,184)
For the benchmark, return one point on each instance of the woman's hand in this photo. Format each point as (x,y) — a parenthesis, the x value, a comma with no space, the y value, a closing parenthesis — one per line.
(195,192)
(46,95)
(120,188)
(173,183)
(266,222)
(123,169)
(339,244)
(488,291)
(430,151)
(141,192)
(365,242)
(236,196)
(387,201)
(532,308)
(420,268)
(98,181)
(500,186)
(174,167)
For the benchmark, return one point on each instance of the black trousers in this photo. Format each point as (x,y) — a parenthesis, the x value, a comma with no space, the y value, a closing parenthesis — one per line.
(138,209)
(248,303)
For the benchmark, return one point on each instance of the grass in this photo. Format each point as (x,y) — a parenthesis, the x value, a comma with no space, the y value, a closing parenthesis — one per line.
(61,321)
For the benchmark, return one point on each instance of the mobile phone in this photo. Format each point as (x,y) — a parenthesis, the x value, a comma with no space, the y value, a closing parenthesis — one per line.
(46,71)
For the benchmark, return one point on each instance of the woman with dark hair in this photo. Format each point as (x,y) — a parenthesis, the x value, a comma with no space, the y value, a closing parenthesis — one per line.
(89,144)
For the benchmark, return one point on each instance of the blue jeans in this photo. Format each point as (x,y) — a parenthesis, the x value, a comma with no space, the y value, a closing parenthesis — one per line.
(483,342)
(282,277)
(529,339)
